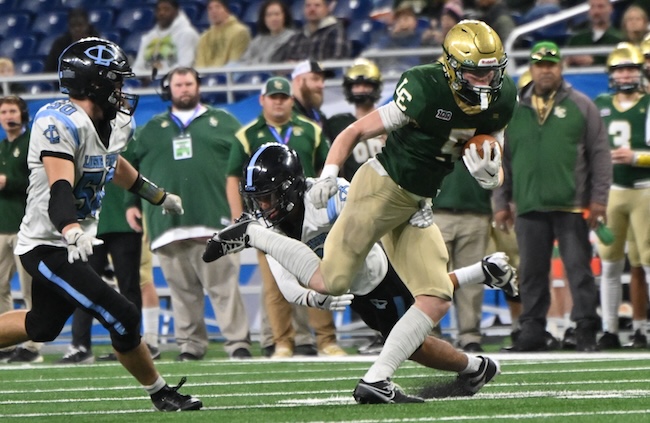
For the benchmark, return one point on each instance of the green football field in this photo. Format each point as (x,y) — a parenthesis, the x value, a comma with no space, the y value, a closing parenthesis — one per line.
(548,387)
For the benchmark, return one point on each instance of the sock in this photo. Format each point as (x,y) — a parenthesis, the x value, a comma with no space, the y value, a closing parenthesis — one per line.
(473,364)
(472,274)
(157,386)
(611,293)
(640,325)
(292,254)
(406,336)
(150,321)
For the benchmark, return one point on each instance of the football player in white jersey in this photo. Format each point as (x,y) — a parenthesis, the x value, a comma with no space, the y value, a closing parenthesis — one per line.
(273,187)
(74,150)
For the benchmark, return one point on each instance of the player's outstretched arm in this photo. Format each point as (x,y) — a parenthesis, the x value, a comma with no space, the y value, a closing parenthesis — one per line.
(494,271)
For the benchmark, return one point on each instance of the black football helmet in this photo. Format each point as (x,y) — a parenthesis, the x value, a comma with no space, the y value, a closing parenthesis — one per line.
(273,183)
(95,68)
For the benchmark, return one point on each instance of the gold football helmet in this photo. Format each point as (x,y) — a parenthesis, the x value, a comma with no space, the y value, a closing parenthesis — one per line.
(362,71)
(625,55)
(473,50)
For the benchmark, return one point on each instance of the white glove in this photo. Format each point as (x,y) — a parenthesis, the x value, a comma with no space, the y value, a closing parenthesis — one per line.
(80,244)
(422,218)
(322,190)
(485,170)
(328,302)
(172,204)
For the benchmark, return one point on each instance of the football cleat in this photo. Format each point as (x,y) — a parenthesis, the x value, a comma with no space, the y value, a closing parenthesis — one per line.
(609,341)
(169,399)
(231,239)
(382,392)
(499,274)
(637,340)
(471,383)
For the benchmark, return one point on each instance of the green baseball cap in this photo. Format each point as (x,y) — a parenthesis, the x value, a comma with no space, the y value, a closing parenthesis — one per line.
(277,85)
(546,51)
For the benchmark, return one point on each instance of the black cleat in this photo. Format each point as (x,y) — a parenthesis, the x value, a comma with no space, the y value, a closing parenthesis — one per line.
(231,239)
(609,341)
(471,383)
(637,341)
(499,274)
(169,399)
(382,392)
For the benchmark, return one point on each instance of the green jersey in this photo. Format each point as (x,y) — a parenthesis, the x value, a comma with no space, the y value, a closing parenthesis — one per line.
(627,129)
(300,134)
(419,155)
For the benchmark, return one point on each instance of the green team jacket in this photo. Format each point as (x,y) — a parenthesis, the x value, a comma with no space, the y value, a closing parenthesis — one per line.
(195,171)
(13,164)
(562,165)
(305,138)
(419,155)
(627,128)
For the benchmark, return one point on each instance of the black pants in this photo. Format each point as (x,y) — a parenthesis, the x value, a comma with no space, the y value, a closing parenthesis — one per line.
(536,233)
(125,249)
(381,308)
(59,287)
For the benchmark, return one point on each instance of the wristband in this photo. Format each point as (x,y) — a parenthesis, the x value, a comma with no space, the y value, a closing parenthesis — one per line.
(329,170)
(148,190)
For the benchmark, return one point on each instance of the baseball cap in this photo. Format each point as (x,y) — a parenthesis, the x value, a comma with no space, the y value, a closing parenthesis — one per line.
(546,51)
(307,66)
(277,85)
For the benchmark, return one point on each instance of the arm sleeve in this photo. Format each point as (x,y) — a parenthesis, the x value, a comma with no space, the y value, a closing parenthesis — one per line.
(287,283)
(392,117)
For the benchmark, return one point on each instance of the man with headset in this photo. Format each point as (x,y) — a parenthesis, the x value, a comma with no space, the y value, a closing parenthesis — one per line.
(14,177)
(185,149)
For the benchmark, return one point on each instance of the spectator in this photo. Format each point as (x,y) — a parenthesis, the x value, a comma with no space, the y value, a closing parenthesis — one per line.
(274,28)
(557,165)
(278,123)
(79,27)
(307,84)
(634,24)
(496,14)
(451,14)
(403,33)
(14,178)
(226,39)
(183,148)
(170,43)
(625,113)
(74,149)
(599,33)
(322,37)
(7,69)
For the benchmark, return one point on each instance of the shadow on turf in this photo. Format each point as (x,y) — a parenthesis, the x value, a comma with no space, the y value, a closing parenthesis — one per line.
(444,389)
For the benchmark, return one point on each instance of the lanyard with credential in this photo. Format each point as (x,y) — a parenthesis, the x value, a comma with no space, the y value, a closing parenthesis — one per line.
(277,136)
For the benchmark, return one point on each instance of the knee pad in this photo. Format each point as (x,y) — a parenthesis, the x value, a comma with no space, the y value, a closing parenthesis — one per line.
(44,330)
(130,338)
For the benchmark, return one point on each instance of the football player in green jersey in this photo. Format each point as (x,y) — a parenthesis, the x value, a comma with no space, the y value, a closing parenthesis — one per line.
(436,108)
(626,115)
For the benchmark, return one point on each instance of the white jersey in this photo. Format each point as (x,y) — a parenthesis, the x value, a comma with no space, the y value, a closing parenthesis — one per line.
(62,129)
(317,224)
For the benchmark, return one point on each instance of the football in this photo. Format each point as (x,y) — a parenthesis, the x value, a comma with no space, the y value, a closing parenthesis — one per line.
(479,140)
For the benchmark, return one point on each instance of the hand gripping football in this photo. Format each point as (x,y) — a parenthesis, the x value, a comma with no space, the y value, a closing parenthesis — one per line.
(478,140)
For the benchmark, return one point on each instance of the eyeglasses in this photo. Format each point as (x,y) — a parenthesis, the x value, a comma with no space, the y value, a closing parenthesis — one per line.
(544,52)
